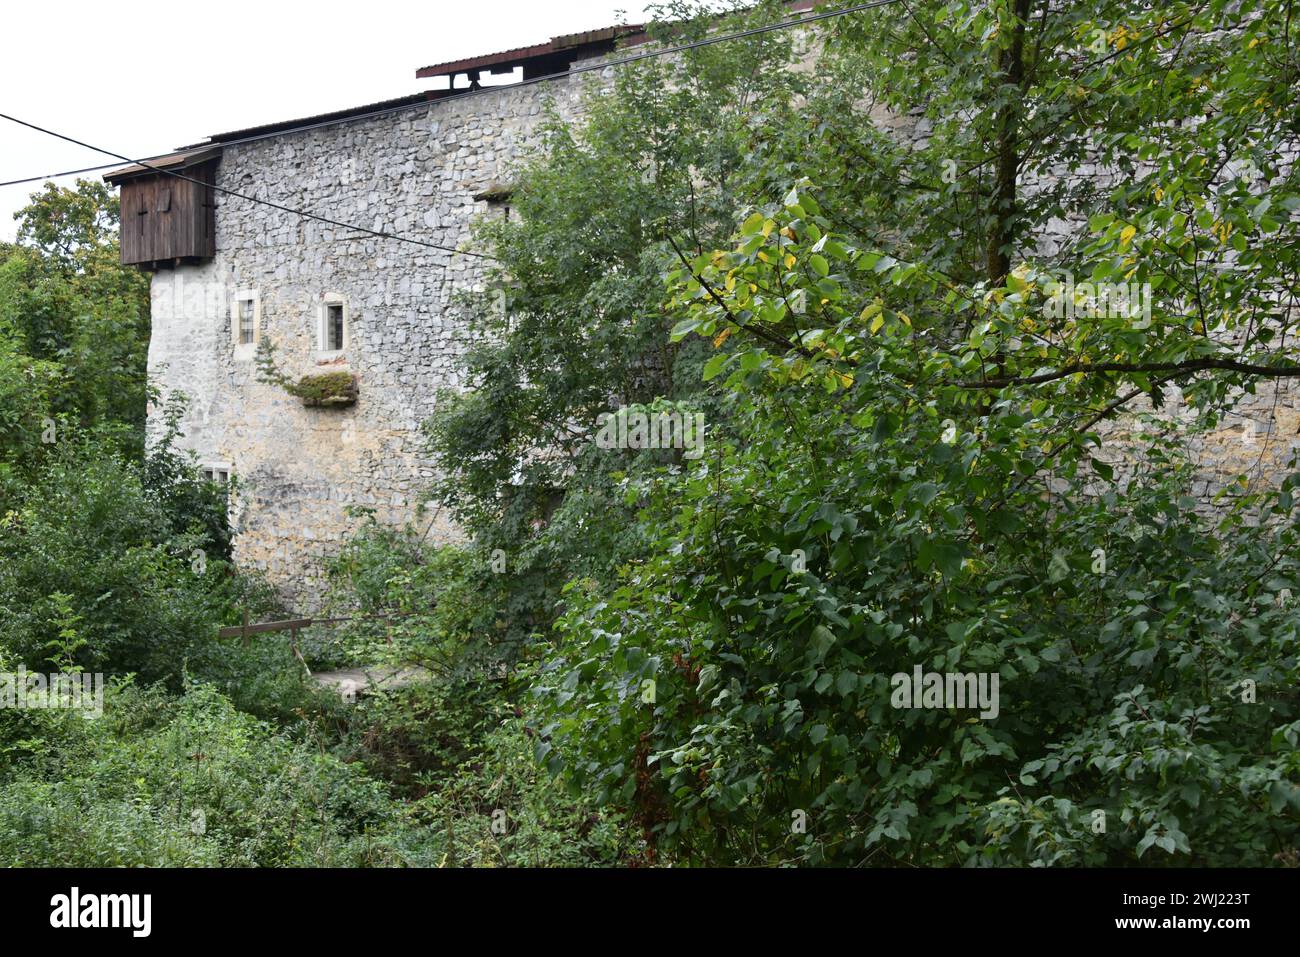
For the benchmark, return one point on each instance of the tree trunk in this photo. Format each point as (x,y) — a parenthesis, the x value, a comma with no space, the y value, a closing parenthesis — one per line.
(1011,72)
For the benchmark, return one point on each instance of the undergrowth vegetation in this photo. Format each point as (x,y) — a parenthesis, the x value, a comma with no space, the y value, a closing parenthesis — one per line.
(842,258)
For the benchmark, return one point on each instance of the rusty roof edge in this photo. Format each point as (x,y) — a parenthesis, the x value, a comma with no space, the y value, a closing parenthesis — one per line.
(598,35)
(182,159)
(635,34)
(512,57)
(569,41)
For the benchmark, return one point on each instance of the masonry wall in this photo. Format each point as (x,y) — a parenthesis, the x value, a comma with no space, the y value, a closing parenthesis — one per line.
(299,469)
(1259,439)
(415,173)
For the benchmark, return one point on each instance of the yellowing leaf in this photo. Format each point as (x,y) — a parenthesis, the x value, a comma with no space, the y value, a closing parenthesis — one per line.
(1126,236)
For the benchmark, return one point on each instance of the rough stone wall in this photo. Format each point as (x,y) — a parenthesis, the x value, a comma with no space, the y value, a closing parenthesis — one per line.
(415,173)
(298,469)
(1258,438)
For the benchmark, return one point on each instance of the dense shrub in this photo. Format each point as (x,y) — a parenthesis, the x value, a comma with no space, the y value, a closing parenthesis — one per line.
(142,591)
(412,602)
(453,746)
(462,757)
(179,781)
(775,611)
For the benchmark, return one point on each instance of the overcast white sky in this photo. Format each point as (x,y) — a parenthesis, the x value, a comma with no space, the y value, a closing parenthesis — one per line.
(143,79)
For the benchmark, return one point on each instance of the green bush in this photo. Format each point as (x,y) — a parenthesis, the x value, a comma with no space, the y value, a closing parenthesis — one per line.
(87,527)
(328,388)
(413,602)
(132,560)
(180,781)
(462,757)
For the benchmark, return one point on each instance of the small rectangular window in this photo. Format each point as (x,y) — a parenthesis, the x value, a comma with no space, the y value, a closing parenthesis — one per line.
(334,326)
(246,324)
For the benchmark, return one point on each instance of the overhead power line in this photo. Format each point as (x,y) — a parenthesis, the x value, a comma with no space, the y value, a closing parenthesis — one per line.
(71,172)
(381,234)
(252,199)
(572,71)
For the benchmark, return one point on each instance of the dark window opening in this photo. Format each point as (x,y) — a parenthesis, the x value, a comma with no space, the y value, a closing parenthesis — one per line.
(245,322)
(334,327)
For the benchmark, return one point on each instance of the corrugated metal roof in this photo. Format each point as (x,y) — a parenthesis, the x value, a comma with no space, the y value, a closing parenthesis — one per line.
(603,40)
(630,34)
(633,32)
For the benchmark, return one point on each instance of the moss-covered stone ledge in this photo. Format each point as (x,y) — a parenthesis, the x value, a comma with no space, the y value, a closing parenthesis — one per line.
(337,387)
(327,389)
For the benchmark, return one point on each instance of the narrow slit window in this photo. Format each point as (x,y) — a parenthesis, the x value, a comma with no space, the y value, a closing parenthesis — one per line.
(334,326)
(246,323)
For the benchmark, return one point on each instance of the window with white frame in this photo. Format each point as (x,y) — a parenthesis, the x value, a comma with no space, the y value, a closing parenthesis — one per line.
(334,326)
(246,321)
(221,473)
(333,329)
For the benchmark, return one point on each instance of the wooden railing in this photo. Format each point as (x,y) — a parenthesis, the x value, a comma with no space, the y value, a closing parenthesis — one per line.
(295,625)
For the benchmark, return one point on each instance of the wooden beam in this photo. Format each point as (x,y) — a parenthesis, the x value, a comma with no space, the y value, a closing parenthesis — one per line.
(294,624)
(240,630)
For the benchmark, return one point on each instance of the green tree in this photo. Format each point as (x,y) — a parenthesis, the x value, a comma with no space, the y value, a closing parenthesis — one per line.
(911,474)
(573,324)
(70,307)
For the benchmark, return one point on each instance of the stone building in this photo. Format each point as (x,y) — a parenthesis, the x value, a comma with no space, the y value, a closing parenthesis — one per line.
(228,272)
